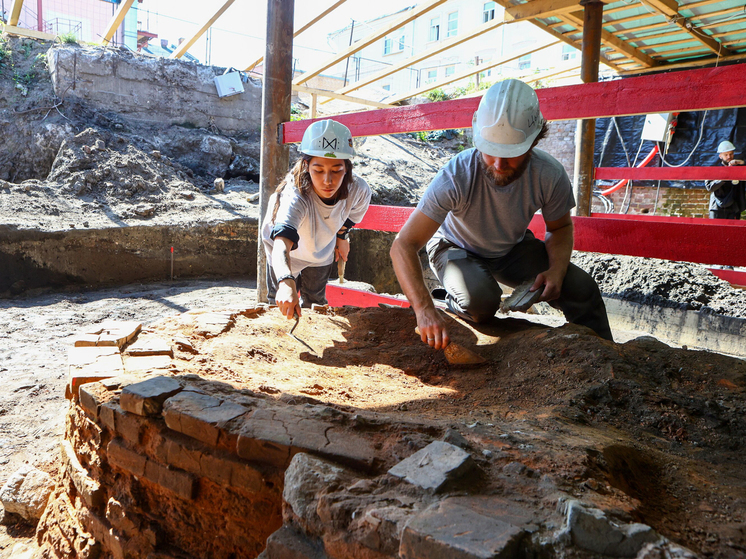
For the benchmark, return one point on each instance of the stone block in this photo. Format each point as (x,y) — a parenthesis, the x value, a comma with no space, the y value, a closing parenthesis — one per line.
(286,543)
(200,416)
(106,415)
(147,397)
(125,459)
(454,531)
(110,333)
(128,425)
(213,324)
(150,346)
(273,436)
(181,456)
(90,398)
(90,364)
(433,466)
(177,481)
(590,529)
(88,488)
(26,492)
(103,533)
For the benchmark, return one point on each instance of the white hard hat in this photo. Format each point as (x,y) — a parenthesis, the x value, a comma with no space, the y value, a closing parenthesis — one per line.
(725,145)
(508,119)
(327,138)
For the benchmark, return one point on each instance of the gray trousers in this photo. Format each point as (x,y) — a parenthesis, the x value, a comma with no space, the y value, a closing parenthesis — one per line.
(474,294)
(311,283)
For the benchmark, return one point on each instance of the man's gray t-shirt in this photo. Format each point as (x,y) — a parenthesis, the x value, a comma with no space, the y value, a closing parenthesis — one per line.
(488,220)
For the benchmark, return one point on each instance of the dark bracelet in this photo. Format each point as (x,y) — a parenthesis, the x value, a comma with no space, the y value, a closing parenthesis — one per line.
(344,235)
(285,277)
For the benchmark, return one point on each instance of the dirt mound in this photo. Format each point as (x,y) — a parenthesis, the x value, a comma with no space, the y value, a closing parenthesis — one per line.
(662,283)
(119,174)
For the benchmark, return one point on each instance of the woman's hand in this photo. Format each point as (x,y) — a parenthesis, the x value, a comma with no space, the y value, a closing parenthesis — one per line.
(287,298)
(342,250)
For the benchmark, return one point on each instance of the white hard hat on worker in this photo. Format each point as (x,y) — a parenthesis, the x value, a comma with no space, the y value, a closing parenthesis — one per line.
(508,120)
(327,138)
(726,146)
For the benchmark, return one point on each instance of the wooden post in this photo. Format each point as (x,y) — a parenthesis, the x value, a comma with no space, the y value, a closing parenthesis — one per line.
(585,134)
(314,101)
(276,92)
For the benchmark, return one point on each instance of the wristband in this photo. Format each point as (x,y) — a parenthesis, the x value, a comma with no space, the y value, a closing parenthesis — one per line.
(344,235)
(285,277)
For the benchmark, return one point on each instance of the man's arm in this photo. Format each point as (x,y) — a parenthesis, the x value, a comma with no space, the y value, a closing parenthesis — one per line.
(413,236)
(558,241)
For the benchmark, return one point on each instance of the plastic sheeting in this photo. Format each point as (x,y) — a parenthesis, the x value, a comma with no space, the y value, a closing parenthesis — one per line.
(719,125)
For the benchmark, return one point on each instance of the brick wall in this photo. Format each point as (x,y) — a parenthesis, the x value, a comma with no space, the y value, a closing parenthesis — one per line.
(680,202)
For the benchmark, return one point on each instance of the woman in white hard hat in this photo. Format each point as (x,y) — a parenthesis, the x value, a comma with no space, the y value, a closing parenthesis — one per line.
(727,198)
(309,218)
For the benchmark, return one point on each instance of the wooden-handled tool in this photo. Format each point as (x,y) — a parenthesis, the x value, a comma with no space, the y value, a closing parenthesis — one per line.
(341,270)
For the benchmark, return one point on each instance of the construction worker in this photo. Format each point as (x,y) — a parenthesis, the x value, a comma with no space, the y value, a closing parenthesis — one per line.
(727,198)
(474,219)
(309,218)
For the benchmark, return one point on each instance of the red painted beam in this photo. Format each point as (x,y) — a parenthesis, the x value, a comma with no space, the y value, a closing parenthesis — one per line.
(385,218)
(718,172)
(670,219)
(339,296)
(686,90)
(733,277)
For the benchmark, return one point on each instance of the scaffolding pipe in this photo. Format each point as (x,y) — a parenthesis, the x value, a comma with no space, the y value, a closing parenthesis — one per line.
(276,93)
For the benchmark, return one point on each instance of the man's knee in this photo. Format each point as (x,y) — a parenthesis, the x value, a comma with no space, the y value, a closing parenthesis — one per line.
(477,306)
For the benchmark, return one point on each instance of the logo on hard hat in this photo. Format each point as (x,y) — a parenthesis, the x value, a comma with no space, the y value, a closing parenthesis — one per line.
(332,144)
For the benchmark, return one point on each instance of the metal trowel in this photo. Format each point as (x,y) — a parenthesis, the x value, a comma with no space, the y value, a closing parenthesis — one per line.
(296,338)
(522,298)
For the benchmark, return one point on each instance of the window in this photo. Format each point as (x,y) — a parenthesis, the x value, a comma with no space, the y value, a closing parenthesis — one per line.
(452,25)
(524,62)
(488,12)
(450,70)
(434,29)
(432,75)
(388,45)
(569,52)
(401,43)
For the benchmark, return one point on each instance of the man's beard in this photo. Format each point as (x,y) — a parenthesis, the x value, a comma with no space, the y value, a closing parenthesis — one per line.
(504,179)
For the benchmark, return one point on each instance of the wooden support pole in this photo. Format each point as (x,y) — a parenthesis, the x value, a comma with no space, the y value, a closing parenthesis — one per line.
(186,45)
(15,12)
(276,93)
(585,135)
(314,99)
(116,21)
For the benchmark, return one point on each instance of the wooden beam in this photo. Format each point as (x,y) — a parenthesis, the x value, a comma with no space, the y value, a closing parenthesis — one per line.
(687,90)
(186,45)
(611,40)
(370,39)
(15,13)
(334,95)
(541,8)
(330,9)
(685,65)
(550,74)
(419,57)
(32,33)
(469,72)
(116,20)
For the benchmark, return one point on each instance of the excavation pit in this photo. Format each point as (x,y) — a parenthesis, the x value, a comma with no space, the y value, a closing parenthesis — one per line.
(244,443)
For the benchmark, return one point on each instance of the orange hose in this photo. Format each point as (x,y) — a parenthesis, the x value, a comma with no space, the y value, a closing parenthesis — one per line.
(623,182)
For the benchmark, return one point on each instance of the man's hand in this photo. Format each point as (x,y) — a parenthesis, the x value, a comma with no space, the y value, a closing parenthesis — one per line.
(342,250)
(287,298)
(735,162)
(432,328)
(551,280)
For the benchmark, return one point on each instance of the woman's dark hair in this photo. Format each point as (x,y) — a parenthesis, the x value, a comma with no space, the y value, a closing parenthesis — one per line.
(302,179)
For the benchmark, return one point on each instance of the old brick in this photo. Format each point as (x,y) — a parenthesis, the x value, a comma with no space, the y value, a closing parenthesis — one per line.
(150,346)
(125,459)
(245,477)
(451,529)
(128,425)
(287,543)
(89,399)
(101,530)
(88,488)
(140,365)
(180,456)
(147,397)
(200,416)
(177,481)
(106,415)
(90,364)
(433,466)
